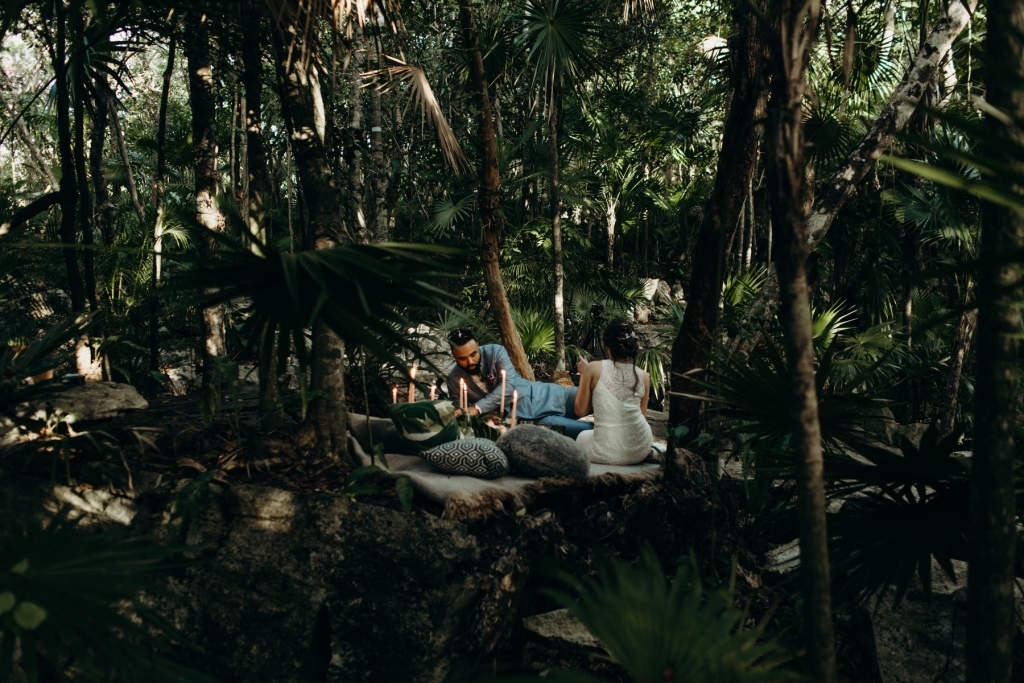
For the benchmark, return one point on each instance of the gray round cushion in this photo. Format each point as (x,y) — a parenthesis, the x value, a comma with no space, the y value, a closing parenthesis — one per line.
(537,452)
(468,457)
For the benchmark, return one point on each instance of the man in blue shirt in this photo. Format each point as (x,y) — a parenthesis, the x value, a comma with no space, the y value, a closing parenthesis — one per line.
(480,368)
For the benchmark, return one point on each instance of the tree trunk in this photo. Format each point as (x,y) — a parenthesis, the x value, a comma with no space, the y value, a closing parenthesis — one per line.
(377,219)
(26,137)
(786,169)
(990,600)
(104,216)
(258,199)
(68,183)
(299,104)
(158,202)
(488,198)
(893,119)
(85,206)
(122,148)
(736,163)
(609,216)
(957,355)
(354,148)
(258,177)
(554,116)
(207,177)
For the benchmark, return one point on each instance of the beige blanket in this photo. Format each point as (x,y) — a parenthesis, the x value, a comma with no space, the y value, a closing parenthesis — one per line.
(466,498)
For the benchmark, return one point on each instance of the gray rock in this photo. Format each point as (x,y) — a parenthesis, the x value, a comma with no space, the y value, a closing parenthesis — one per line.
(659,423)
(912,432)
(294,588)
(533,451)
(783,559)
(88,402)
(881,427)
(663,294)
(562,627)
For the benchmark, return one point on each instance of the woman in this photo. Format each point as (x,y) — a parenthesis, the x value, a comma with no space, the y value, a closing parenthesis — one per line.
(618,391)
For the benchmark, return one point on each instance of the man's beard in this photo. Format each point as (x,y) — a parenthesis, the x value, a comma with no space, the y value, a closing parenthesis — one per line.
(473,369)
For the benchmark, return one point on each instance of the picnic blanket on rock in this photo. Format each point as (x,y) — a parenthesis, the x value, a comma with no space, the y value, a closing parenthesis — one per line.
(466,498)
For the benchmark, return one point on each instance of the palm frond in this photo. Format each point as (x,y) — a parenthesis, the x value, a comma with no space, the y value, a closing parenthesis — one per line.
(423,96)
(650,625)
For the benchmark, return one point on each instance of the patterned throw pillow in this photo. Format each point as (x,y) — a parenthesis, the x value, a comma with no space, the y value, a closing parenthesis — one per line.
(425,424)
(469,457)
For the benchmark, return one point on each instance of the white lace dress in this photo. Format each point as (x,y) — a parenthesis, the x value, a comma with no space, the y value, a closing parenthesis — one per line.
(621,434)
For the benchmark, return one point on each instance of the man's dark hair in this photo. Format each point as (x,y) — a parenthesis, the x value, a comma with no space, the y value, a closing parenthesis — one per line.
(462,335)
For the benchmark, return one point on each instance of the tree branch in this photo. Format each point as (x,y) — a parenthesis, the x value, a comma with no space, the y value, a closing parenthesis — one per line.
(29,212)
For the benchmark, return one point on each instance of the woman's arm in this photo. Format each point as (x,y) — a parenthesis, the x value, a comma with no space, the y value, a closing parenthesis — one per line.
(588,379)
(647,393)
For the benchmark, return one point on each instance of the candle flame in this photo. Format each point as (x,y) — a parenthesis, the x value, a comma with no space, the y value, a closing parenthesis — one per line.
(412,372)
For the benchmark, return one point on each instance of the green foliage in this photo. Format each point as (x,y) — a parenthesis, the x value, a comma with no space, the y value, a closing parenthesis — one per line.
(657,629)
(63,600)
(908,509)
(356,291)
(537,332)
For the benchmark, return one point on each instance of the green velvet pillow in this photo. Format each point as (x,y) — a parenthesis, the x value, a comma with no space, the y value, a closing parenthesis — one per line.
(425,424)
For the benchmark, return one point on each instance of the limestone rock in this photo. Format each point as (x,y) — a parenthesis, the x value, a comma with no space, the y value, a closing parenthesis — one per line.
(662,294)
(882,427)
(294,588)
(533,451)
(87,402)
(659,423)
(562,627)
(912,432)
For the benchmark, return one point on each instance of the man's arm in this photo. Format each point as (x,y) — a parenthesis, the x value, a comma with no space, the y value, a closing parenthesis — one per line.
(492,401)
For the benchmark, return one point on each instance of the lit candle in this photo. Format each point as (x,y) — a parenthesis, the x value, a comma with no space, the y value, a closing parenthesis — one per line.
(433,391)
(501,410)
(412,385)
(394,394)
(515,400)
(462,395)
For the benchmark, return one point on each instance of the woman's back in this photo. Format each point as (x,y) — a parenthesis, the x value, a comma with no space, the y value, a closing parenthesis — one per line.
(621,434)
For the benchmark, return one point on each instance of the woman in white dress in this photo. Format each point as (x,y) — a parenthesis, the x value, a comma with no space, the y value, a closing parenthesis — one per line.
(618,391)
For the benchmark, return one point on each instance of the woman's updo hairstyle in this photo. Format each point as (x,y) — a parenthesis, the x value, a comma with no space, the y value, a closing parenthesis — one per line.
(620,338)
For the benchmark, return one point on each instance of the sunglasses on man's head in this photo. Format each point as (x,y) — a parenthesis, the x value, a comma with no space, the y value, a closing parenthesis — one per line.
(461,336)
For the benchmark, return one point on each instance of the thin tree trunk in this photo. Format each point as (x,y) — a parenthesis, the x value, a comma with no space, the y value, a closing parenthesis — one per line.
(787,176)
(554,116)
(257,176)
(609,217)
(207,177)
(104,211)
(258,198)
(158,201)
(378,186)
(488,198)
(736,163)
(299,104)
(122,148)
(68,182)
(233,142)
(957,355)
(85,206)
(354,151)
(26,137)
(990,583)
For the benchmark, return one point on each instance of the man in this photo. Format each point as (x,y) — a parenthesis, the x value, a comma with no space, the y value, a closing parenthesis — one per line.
(480,368)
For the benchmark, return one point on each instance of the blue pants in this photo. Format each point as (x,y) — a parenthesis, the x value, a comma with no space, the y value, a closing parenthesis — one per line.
(571,426)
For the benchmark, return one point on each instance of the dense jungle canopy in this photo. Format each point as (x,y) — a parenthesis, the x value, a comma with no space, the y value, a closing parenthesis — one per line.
(812,212)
